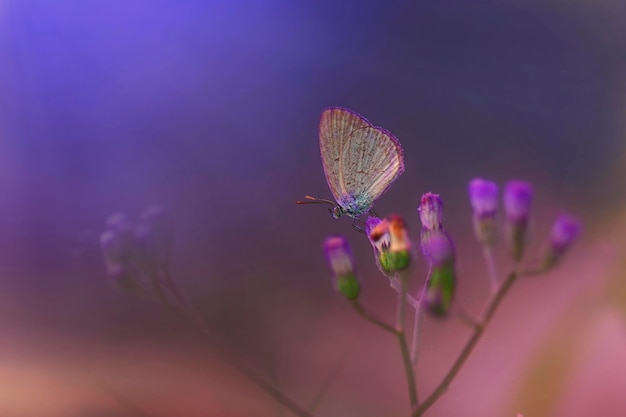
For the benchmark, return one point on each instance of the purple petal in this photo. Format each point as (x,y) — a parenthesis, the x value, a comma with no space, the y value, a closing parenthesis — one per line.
(483,195)
(339,255)
(431,212)
(518,199)
(565,230)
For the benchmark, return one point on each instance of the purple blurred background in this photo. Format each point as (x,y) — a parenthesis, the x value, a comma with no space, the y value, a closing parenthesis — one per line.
(211,109)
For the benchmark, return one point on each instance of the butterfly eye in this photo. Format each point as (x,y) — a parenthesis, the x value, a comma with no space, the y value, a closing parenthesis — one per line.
(337,212)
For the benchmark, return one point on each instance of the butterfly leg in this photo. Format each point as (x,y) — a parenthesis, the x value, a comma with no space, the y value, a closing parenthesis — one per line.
(374,213)
(358,227)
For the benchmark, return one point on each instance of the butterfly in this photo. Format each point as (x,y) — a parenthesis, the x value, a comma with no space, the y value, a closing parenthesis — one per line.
(360,161)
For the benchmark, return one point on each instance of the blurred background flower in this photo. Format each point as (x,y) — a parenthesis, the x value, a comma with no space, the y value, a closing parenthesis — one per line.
(211,109)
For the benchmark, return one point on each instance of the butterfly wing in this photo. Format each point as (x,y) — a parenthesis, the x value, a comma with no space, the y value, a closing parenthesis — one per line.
(372,160)
(336,126)
(360,161)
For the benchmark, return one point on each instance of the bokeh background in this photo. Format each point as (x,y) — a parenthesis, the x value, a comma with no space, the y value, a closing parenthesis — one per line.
(211,109)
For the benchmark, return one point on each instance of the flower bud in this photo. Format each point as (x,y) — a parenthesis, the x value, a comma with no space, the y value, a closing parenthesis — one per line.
(440,289)
(399,256)
(391,243)
(518,197)
(377,231)
(119,223)
(438,248)
(161,229)
(483,195)
(147,254)
(565,231)
(123,278)
(109,247)
(115,248)
(431,212)
(339,257)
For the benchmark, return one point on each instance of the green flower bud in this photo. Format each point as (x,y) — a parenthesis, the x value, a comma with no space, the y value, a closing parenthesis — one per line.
(339,257)
(440,290)
(348,286)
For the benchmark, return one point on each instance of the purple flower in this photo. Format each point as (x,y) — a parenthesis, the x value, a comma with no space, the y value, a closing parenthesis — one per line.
(377,231)
(431,212)
(137,253)
(370,224)
(119,223)
(518,199)
(161,225)
(339,256)
(391,243)
(124,278)
(438,248)
(565,230)
(440,287)
(483,195)
(109,243)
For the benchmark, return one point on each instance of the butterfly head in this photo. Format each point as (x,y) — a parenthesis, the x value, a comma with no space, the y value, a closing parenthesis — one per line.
(337,212)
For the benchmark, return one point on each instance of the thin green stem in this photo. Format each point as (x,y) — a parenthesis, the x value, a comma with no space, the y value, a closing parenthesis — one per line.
(406,359)
(469,346)
(417,324)
(412,301)
(492,271)
(408,369)
(464,317)
(418,321)
(191,315)
(330,380)
(404,350)
(374,320)
(401,307)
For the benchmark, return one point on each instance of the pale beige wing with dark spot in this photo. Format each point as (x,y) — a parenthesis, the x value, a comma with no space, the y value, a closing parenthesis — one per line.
(336,127)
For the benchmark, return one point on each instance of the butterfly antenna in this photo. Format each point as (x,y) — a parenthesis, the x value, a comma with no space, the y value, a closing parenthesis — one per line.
(313,200)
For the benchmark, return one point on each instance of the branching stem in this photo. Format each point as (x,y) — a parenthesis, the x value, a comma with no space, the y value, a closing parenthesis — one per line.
(469,346)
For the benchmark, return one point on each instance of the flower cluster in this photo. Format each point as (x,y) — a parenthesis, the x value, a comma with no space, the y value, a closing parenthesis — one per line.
(137,253)
(137,258)
(394,257)
(517,201)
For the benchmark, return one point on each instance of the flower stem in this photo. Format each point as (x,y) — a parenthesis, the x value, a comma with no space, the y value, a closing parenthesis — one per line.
(401,307)
(404,350)
(417,335)
(406,359)
(469,346)
(367,316)
(492,272)
(192,316)
(408,369)
(417,324)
